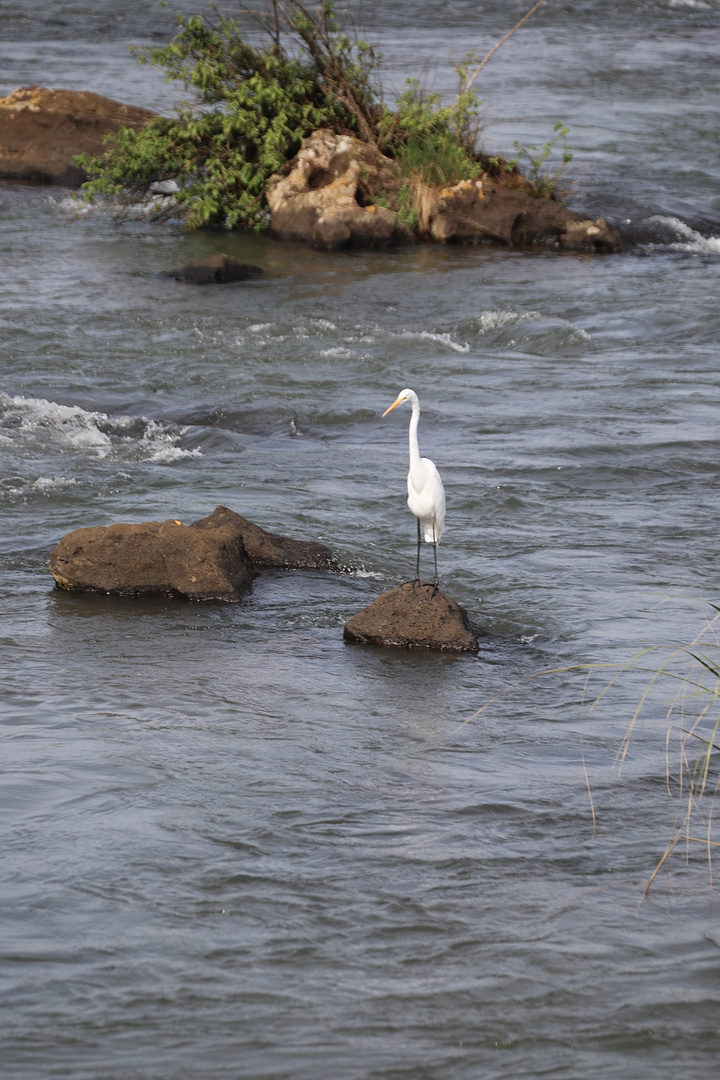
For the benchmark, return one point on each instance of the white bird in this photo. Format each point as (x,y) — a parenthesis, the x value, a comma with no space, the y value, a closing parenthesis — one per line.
(426,494)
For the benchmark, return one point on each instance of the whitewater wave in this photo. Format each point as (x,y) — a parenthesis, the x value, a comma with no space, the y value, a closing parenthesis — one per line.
(673,234)
(441,339)
(498,320)
(489,322)
(69,428)
(700,4)
(11,487)
(48,483)
(338,352)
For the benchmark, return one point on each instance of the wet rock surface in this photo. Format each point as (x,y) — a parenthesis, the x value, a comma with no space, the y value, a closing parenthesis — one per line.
(217,270)
(42,130)
(414,615)
(215,558)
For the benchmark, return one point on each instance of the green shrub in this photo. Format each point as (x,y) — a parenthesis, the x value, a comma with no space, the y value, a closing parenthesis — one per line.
(545,177)
(408,214)
(255,106)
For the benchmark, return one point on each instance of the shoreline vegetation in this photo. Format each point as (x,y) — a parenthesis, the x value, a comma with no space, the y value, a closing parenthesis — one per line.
(211,164)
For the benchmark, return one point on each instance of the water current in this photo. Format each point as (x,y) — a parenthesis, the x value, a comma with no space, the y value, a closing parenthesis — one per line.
(235,846)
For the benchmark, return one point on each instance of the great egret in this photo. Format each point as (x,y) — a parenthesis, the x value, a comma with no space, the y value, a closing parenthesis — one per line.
(426,494)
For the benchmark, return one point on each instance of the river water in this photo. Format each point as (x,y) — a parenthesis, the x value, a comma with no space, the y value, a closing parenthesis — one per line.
(235,846)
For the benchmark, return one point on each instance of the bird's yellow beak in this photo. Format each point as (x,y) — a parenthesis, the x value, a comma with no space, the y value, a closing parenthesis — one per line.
(394,405)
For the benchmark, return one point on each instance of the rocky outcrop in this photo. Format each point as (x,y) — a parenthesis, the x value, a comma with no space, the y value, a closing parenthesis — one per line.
(217,270)
(414,615)
(329,196)
(482,211)
(215,558)
(41,131)
(268,550)
(326,196)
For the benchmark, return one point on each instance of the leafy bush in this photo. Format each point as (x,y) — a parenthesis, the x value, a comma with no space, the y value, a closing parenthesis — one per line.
(255,107)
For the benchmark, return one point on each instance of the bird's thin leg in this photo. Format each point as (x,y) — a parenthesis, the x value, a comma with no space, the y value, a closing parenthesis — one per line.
(417,567)
(435,555)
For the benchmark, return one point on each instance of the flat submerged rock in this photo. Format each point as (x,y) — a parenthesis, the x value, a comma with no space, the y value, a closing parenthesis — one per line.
(414,615)
(217,270)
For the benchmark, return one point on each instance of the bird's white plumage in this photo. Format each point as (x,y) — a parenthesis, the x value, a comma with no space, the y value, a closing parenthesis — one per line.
(426,495)
(426,499)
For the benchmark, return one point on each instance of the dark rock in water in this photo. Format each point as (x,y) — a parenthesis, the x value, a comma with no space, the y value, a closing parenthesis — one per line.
(215,558)
(218,270)
(154,559)
(269,550)
(414,615)
(481,211)
(41,132)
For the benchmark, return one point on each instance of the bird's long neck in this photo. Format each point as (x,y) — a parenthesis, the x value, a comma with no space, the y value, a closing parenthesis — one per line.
(414,448)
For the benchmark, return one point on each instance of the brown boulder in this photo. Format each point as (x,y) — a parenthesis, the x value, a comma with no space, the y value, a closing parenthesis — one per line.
(215,558)
(415,614)
(154,558)
(482,211)
(41,132)
(268,550)
(326,195)
(217,270)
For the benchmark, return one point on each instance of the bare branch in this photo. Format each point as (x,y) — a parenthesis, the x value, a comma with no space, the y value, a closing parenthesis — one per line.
(502,41)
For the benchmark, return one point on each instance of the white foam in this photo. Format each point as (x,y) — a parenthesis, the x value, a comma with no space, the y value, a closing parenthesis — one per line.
(686,239)
(172,453)
(74,205)
(46,483)
(441,339)
(259,328)
(156,433)
(72,425)
(499,320)
(43,484)
(71,428)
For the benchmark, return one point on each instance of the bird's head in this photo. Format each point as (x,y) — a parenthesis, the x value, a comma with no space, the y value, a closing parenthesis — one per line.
(404,395)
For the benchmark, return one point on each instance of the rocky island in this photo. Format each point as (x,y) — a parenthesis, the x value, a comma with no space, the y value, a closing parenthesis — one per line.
(295,142)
